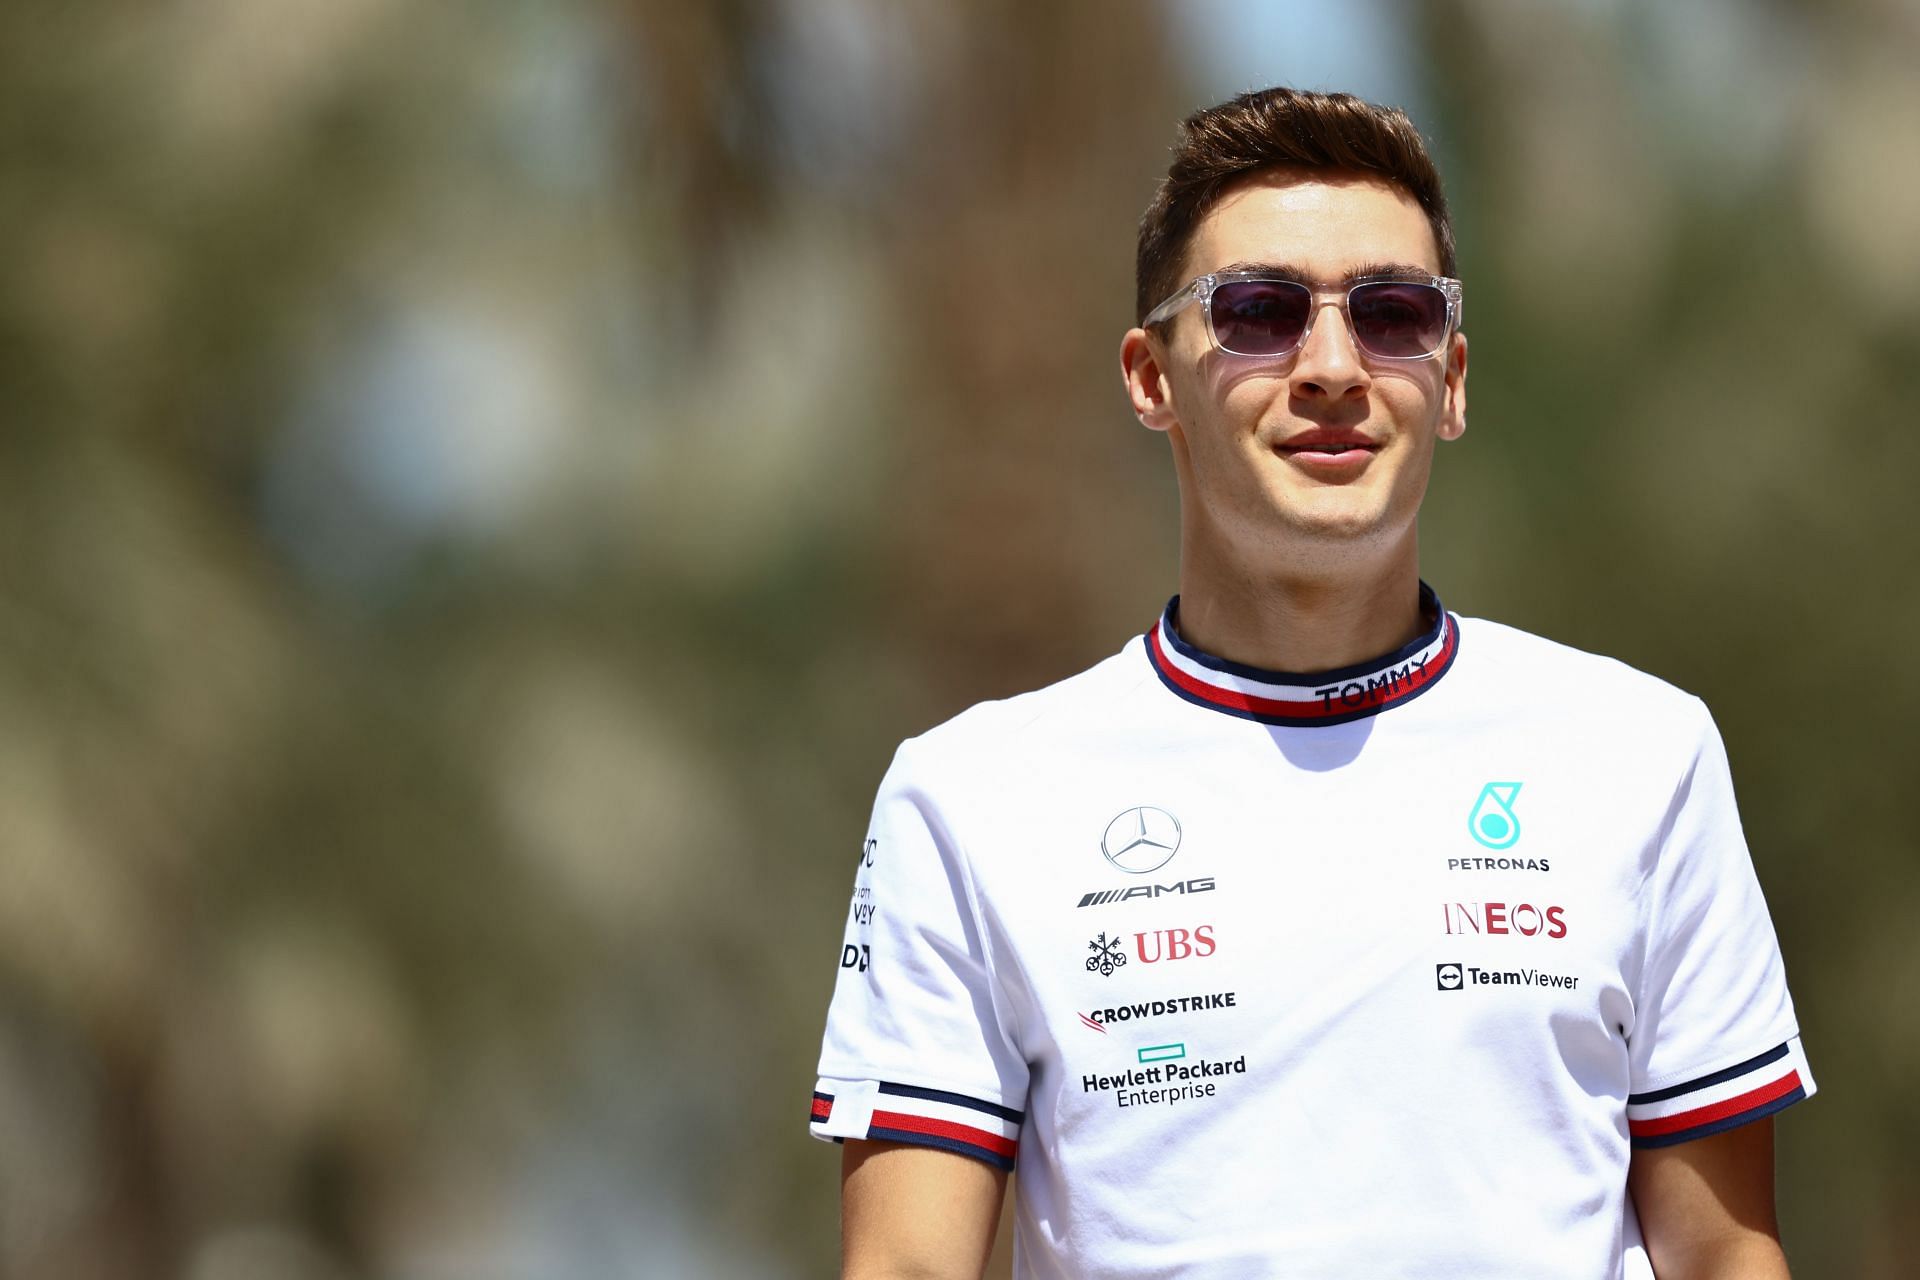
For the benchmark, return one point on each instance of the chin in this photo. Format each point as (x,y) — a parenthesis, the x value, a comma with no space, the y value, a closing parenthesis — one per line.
(1335,515)
(1345,532)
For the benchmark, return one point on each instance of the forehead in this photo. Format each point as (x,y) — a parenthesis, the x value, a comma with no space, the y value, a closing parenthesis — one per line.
(1324,224)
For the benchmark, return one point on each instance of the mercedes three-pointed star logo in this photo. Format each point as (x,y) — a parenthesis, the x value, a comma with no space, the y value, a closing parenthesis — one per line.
(1141,839)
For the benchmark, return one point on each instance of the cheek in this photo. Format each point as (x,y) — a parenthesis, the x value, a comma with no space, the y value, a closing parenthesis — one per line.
(1223,419)
(1245,405)
(1412,403)
(1412,394)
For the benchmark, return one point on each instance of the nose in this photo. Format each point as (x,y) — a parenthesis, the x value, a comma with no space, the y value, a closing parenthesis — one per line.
(1329,366)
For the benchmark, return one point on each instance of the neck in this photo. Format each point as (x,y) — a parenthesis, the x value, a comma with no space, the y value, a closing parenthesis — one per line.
(1281,619)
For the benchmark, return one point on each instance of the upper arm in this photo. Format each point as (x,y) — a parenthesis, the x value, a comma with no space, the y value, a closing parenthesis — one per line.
(1714,1050)
(910,1211)
(920,1075)
(918,1048)
(1706,1206)
(1709,986)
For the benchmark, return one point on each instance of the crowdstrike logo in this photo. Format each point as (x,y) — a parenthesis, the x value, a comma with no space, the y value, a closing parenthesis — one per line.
(1141,839)
(1142,1010)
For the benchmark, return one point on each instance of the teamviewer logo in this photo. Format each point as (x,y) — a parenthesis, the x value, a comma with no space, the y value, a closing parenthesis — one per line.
(1447,977)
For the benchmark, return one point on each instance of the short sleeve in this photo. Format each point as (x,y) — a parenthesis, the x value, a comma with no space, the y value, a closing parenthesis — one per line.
(915,1047)
(1714,1042)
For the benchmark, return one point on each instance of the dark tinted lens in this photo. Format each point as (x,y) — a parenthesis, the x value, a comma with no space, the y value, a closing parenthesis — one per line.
(1398,319)
(1260,317)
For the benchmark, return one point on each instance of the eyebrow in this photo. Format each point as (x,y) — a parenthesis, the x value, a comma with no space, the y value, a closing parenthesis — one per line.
(1365,271)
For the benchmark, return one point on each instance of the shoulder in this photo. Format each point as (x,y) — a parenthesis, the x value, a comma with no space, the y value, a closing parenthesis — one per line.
(988,736)
(972,776)
(1571,683)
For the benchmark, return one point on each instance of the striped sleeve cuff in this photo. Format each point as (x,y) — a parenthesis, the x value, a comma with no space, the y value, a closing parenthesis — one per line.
(889,1111)
(1722,1100)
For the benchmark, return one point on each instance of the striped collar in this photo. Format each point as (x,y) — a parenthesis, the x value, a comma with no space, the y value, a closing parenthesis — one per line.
(1332,697)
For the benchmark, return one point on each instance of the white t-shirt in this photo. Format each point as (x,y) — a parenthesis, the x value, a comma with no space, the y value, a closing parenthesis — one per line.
(1377,973)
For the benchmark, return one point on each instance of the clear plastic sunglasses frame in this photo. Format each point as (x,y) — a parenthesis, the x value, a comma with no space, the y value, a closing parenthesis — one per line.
(1200,289)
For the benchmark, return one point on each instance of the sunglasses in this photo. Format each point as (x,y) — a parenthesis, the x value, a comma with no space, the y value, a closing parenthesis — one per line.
(1250,313)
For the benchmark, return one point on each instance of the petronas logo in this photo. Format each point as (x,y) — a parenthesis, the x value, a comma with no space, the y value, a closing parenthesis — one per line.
(1493,822)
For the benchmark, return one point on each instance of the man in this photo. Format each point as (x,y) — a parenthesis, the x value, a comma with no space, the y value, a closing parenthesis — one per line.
(1319,932)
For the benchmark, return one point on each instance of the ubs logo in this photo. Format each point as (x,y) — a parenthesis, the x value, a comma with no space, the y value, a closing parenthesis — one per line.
(1174,944)
(1141,839)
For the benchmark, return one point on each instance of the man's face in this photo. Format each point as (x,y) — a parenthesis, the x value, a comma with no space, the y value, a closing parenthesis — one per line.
(1325,452)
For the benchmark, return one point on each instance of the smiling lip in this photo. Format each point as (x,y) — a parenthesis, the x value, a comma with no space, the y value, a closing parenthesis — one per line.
(1328,448)
(1324,440)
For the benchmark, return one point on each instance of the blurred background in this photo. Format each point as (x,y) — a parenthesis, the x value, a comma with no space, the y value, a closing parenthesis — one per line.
(485,486)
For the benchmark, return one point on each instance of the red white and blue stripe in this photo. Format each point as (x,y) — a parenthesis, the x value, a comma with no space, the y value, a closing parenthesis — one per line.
(929,1118)
(1720,1100)
(1281,698)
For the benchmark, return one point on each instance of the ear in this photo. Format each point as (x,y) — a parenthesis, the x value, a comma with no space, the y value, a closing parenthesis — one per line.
(1143,367)
(1453,411)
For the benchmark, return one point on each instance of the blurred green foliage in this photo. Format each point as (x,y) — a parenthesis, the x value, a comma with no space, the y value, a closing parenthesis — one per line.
(484,488)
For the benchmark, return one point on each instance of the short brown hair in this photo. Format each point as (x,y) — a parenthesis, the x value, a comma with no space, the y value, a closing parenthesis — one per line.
(1262,130)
